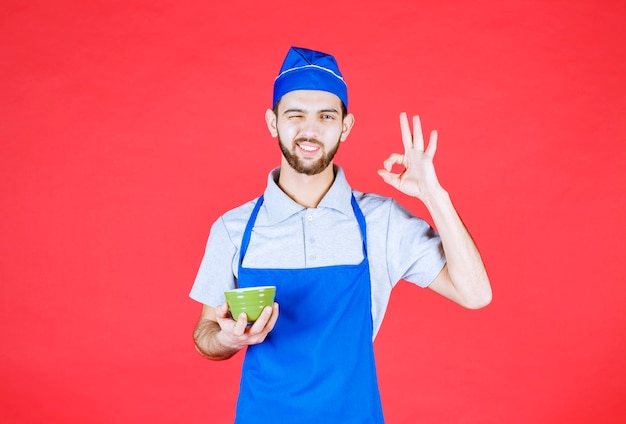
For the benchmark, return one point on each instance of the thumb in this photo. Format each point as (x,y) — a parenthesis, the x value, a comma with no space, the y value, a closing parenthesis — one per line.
(222,310)
(388,177)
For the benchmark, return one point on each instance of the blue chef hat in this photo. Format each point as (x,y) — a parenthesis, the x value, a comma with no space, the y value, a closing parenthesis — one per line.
(305,69)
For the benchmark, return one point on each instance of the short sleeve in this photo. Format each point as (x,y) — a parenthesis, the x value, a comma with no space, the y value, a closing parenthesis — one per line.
(216,272)
(414,250)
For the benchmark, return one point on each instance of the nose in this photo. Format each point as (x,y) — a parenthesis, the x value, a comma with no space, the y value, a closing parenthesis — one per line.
(309,128)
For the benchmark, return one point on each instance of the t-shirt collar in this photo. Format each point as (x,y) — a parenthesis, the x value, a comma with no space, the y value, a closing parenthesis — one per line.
(279,206)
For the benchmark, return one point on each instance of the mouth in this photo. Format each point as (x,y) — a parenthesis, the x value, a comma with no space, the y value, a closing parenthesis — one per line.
(307,148)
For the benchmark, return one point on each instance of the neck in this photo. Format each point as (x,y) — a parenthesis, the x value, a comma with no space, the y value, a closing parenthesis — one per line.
(306,190)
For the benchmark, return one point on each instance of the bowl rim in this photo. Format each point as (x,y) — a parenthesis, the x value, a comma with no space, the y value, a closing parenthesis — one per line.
(249,289)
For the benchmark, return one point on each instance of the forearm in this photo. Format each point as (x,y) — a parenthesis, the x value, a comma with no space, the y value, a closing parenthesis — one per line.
(464,264)
(206,338)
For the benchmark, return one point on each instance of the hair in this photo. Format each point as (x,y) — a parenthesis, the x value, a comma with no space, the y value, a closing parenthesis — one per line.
(344,111)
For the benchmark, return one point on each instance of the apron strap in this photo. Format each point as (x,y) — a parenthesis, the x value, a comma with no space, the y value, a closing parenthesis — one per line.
(248,232)
(361,220)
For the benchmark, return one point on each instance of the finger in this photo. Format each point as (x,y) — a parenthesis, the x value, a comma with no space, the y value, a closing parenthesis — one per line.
(274,317)
(432,144)
(393,159)
(418,137)
(240,326)
(405,130)
(389,178)
(261,321)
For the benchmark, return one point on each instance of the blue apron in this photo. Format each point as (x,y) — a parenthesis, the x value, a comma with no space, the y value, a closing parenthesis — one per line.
(317,364)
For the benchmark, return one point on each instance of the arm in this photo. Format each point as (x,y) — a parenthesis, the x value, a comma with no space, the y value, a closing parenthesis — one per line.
(464,278)
(218,336)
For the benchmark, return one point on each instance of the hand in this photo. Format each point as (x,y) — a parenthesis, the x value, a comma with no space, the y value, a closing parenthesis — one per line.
(237,334)
(418,179)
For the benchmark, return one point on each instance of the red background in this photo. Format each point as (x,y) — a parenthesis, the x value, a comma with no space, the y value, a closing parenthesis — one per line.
(128,127)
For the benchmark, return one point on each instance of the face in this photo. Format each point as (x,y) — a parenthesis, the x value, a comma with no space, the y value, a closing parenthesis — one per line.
(309,127)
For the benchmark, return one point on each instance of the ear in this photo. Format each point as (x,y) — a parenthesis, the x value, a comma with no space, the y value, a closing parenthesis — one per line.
(347,124)
(270,120)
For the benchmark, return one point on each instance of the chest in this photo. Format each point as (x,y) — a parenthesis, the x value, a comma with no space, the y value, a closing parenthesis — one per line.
(311,238)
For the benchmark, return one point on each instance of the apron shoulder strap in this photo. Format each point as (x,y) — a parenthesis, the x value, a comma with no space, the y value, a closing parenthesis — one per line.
(245,241)
(361,220)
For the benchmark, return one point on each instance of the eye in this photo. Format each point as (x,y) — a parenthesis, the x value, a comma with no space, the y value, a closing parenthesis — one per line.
(327,116)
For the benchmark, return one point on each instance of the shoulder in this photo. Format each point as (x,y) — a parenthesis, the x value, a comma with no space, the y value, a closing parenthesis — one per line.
(370,199)
(376,204)
(386,213)
(240,212)
(233,222)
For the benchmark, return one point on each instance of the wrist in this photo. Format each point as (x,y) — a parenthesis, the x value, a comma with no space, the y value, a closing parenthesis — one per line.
(436,196)
(224,343)
(211,342)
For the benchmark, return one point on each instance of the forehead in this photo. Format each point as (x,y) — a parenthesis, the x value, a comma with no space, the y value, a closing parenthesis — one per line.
(310,100)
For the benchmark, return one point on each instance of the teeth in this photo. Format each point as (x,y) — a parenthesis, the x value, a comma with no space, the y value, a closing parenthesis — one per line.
(308,148)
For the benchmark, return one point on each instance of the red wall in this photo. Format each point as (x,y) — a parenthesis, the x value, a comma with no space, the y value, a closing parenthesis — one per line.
(126,128)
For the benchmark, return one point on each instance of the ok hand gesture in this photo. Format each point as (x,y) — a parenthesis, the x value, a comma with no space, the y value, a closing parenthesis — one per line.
(418,179)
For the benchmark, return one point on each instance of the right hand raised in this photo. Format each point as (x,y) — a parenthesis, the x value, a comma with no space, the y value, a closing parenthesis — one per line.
(237,334)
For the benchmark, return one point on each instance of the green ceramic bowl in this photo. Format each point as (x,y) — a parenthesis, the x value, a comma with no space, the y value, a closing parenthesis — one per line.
(250,300)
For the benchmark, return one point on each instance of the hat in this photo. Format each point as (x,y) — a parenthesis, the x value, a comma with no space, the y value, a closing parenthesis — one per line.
(305,69)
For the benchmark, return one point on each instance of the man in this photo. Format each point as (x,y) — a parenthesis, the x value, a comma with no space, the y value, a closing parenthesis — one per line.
(334,255)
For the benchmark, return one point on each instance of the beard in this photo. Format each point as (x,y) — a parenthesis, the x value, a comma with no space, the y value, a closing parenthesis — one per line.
(312,166)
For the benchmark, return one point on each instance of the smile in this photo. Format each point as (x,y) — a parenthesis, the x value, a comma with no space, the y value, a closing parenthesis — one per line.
(308,148)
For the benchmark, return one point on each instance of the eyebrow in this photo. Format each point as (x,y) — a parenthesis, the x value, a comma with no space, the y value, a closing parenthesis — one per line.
(327,110)
(293,109)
